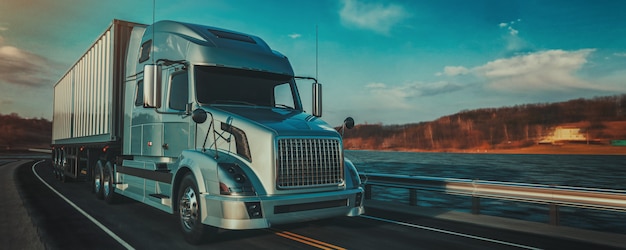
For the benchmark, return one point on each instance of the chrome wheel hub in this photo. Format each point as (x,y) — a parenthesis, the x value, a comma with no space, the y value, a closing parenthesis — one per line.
(106,187)
(96,182)
(188,208)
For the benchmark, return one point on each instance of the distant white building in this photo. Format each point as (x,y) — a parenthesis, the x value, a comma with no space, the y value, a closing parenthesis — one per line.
(564,134)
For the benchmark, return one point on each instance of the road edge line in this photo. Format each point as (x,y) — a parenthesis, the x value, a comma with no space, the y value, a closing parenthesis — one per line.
(451,232)
(105,229)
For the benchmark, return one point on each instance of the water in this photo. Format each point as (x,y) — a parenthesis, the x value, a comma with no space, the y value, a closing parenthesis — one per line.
(591,171)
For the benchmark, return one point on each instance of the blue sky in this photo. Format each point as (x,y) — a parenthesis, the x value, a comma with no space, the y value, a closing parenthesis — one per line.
(389,62)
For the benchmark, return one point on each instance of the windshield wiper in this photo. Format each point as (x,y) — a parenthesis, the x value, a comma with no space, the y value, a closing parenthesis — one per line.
(283,106)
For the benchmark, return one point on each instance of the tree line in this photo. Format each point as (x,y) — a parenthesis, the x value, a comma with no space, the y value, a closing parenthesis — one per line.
(18,132)
(488,128)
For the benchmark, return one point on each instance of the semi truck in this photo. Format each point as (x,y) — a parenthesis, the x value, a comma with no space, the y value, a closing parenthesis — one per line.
(204,123)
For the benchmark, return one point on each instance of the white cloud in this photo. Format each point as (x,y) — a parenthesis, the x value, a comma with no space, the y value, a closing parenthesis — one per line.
(455,70)
(376,85)
(536,62)
(548,71)
(294,36)
(407,101)
(402,96)
(3,27)
(377,17)
(6,102)
(514,43)
(620,54)
(552,70)
(509,27)
(22,67)
(390,97)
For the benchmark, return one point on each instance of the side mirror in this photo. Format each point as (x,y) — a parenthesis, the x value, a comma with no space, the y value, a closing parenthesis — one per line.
(199,116)
(152,86)
(317,99)
(348,123)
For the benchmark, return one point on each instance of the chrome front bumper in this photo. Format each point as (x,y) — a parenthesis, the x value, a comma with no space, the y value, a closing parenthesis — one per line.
(232,212)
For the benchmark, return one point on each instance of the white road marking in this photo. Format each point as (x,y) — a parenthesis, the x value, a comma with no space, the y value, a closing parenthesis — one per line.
(105,229)
(451,233)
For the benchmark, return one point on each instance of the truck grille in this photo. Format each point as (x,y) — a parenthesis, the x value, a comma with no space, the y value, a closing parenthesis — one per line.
(309,162)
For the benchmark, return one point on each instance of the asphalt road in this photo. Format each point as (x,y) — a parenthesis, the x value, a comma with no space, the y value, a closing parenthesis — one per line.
(50,222)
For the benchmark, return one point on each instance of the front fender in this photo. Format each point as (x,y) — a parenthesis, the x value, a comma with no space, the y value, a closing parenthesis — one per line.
(203,167)
(352,175)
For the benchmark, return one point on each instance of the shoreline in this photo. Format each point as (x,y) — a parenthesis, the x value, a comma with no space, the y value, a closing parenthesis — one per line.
(566,149)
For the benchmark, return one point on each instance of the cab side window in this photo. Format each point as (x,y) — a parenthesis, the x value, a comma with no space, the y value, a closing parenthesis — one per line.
(179,91)
(139,94)
(144,54)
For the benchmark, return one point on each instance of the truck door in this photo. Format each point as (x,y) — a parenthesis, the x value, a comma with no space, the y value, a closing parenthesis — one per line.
(175,124)
(175,132)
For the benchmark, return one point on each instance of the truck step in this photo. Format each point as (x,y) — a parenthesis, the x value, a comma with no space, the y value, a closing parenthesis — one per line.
(165,200)
(159,196)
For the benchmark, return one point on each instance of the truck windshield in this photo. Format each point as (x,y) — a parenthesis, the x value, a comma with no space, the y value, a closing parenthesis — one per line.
(219,86)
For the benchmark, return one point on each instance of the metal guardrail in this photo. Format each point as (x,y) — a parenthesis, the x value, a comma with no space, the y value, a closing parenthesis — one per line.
(46,151)
(552,195)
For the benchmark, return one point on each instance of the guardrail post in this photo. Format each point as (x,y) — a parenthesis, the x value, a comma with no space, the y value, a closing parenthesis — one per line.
(413,197)
(554,214)
(475,205)
(368,192)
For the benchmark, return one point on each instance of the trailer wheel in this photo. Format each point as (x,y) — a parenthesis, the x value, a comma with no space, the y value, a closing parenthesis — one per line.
(55,163)
(62,176)
(62,167)
(55,170)
(97,180)
(91,170)
(108,186)
(189,213)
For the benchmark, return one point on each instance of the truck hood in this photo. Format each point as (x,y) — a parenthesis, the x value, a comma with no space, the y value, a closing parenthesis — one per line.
(282,121)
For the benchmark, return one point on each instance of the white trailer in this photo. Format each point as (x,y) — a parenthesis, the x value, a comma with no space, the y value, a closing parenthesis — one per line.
(88,103)
(201,122)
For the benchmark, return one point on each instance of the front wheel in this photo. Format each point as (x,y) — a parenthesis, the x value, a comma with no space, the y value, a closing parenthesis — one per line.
(189,213)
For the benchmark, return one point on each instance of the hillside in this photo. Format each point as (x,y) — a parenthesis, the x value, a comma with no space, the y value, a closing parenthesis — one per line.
(598,121)
(589,121)
(20,133)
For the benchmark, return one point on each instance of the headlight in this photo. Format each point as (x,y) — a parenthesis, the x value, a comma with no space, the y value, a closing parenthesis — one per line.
(233,181)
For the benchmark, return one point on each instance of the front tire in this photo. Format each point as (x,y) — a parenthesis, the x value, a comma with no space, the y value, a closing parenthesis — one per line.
(189,213)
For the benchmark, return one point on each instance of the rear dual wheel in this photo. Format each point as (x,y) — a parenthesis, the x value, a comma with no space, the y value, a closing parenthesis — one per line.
(108,183)
(98,176)
(104,181)
(60,167)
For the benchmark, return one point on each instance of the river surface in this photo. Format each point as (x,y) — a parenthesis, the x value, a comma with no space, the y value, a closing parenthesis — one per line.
(590,171)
